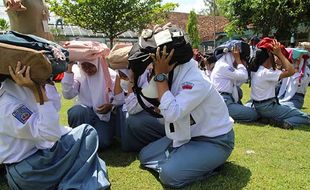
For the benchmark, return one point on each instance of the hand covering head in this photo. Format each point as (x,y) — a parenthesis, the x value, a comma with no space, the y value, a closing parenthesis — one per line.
(228,46)
(89,51)
(266,43)
(94,53)
(264,48)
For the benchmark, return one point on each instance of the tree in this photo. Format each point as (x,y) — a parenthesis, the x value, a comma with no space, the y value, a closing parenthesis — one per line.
(211,8)
(112,17)
(267,17)
(192,29)
(4,25)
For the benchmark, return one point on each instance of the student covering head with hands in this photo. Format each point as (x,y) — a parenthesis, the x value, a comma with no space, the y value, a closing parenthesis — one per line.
(92,82)
(293,89)
(229,73)
(264,78)
(140,128)
(197,124)
(37,152)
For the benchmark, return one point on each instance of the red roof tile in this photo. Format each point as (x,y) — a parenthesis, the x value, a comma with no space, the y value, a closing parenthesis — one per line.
(205,24)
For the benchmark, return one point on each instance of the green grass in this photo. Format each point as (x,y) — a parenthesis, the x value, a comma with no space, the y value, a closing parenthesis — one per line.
(264,158)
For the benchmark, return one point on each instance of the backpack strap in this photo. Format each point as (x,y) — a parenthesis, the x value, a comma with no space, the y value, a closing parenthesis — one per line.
(139,94)
(38,87)
(150,110)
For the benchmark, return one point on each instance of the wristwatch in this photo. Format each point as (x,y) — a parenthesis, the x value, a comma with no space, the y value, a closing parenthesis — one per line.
(161,77)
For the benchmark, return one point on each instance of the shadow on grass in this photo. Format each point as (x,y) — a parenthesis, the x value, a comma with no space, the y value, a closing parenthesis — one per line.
(303,128)
(228,177)
(304,109)
(114,156)
(265,124)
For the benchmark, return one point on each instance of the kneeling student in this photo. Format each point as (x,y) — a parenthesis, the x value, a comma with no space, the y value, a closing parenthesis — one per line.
(264,78)
(37,152)
(199,132)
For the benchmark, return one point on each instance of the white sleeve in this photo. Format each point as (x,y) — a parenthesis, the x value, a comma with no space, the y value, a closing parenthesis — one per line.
(53,96)
(24,123)
(192,93)
(271,75)
(113,75)
(306,78)
(239,74)
(119,99)
(132,104)
(70,86)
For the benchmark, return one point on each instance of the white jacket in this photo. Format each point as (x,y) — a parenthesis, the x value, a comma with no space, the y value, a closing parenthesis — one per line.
(226,78)
(193,96)
(89,90)
(26,126)
(292,85)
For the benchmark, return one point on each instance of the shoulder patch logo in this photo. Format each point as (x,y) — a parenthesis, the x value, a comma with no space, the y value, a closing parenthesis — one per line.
(22,114)
(187,85)
(231,69)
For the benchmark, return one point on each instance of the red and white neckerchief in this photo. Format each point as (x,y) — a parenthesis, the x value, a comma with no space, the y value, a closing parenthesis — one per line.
(302,71)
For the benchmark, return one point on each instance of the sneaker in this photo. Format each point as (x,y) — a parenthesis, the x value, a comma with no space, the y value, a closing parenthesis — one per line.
(287,125)
(280,124)
(264,120)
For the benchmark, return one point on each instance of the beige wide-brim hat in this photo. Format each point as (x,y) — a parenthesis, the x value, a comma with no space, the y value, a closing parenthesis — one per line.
(118,57)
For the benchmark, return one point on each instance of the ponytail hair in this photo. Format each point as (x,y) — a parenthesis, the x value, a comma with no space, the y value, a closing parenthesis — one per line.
(261,55)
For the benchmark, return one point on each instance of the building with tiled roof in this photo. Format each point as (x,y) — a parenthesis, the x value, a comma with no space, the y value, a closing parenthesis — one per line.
(209,26)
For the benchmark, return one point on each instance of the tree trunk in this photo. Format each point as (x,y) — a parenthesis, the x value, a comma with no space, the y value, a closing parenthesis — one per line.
(111,42)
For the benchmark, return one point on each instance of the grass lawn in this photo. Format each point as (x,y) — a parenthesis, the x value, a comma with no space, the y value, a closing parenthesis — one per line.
(264,158)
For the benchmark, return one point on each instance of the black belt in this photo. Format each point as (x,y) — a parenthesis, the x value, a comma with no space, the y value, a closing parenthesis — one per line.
(8,165)
(300,94)
(225,93)
(263,101)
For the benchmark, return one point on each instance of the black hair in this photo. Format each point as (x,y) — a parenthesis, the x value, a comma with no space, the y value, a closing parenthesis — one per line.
(254,39)
(3,77)
(261,55)
(210,57)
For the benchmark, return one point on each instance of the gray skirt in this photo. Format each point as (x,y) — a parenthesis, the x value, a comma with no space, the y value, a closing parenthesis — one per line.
(190,162)
(72,163)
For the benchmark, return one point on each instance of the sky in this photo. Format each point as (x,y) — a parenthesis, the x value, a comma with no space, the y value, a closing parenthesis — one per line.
(184,6)
(187,5)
